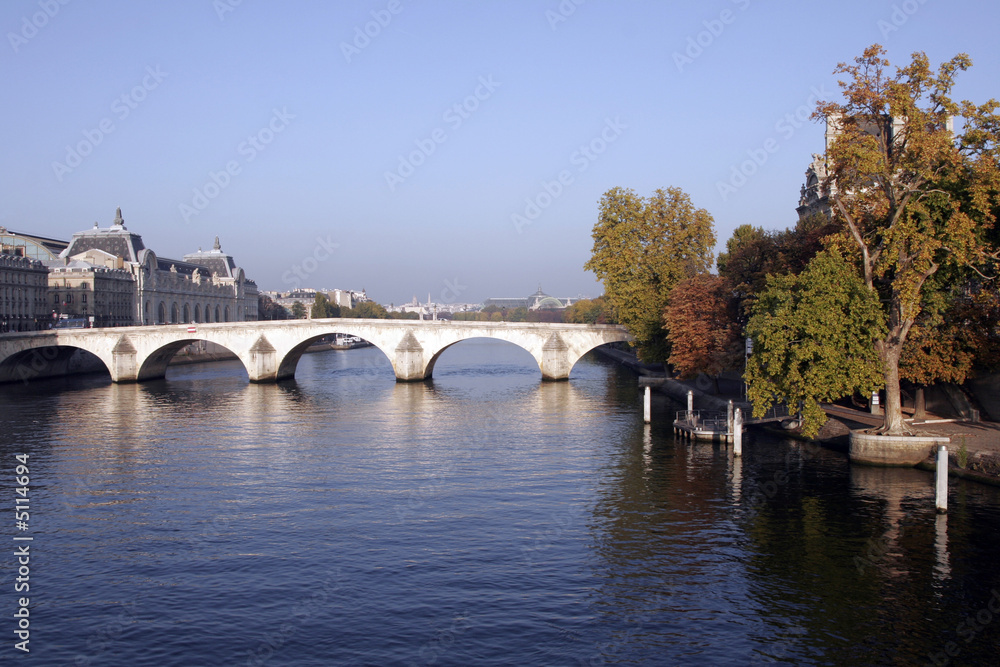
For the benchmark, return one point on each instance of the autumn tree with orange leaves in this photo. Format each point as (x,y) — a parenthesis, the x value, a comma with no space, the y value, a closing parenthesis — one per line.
(703,327)
(911,195)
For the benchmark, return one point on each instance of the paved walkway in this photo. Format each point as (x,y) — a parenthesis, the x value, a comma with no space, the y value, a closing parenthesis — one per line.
(980,436)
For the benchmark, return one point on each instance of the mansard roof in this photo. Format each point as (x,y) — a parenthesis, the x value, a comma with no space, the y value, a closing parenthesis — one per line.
(214,260)
(116,240)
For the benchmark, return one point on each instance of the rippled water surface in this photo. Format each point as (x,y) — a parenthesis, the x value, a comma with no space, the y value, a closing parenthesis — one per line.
(482,518)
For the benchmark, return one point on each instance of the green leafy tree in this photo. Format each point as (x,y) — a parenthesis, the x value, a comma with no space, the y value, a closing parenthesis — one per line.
(268,309)
(642,248)
(366,310)
(753,253)
(589,311)
(298,310)
(323,308)
(814,339)
(516,314)
(702,326)
(911,195)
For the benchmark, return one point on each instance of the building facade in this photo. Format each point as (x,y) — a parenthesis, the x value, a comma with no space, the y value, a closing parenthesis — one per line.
(108,277)
(23,285)
(203,287)
(103,296)
(537,301)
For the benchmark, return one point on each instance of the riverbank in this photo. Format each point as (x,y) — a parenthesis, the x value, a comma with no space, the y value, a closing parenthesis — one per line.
(974,452)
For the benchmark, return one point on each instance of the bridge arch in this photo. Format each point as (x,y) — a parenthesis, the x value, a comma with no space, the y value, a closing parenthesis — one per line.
(554,356)
(154,365)
(44,357)
(290,361)
(436,356)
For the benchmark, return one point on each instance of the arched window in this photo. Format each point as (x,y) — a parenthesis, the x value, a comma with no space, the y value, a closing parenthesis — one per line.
(197,312)
(187,313)
(217,314)
(227,313)
(173,314)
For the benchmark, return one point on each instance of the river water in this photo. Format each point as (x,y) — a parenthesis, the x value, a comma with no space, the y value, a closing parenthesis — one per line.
(482,518)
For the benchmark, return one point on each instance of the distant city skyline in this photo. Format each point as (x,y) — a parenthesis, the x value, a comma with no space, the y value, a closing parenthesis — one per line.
(456,148)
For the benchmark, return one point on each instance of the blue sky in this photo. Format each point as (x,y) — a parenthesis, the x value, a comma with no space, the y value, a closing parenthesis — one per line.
(389,145)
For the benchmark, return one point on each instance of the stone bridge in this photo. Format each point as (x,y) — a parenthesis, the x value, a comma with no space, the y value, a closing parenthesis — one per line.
(271,350)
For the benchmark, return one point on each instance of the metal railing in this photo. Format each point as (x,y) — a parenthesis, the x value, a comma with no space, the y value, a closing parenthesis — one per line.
(700,420)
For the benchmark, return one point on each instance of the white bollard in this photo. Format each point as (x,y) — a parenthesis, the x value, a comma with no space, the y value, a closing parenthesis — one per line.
(647,411)
(941,495)
(738,433)
(729,417)
(690,401)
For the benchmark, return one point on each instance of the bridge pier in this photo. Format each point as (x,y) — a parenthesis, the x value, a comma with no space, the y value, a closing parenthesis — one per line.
(262,365)
(555,363)
(408,360)
(124,365)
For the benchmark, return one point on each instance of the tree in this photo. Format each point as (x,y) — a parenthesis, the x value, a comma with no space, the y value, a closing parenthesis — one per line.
(323,308)
(519,314)
(910,196)
(298,310)
(814,339)
(267,309)
(589,311)
(703,327)
(642,248)
(955,331)
(366,310)
(753,253)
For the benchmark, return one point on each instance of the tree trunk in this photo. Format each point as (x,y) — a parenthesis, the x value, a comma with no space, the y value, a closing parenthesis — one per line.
(893,421)
(919,404)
